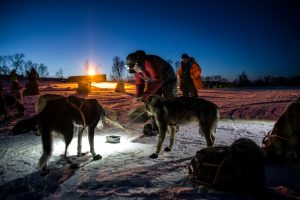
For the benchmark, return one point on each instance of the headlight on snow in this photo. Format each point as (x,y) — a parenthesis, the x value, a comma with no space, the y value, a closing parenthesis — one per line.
(101,145)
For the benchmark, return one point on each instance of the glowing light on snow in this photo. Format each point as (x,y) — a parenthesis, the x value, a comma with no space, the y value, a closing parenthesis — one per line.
(105,85)
(101,146)
(111,85)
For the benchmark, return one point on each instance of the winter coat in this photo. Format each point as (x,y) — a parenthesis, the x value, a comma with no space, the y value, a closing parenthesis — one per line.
(155,72)
(195,72)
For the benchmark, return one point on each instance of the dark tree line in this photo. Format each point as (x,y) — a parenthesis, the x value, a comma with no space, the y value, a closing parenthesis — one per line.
(243,81)
(119,72)
(17,62)
(216,81)
(278,81)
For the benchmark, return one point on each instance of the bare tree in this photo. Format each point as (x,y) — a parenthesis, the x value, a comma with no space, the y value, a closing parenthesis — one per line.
(43,70)
(4,67)
(118,68)
(18,62)
(28,65)
(59,73)
(177,64)
(243,80)
(170,61)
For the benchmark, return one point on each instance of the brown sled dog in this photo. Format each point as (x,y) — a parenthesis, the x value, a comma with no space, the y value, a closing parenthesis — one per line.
(170,112)
(26,125)
(283,142)
(59,115)
(44,99)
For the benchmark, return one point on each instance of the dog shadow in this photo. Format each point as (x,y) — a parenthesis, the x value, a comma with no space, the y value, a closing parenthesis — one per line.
(36,186)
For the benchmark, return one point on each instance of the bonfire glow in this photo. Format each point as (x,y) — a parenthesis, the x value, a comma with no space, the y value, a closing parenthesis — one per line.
(91,71)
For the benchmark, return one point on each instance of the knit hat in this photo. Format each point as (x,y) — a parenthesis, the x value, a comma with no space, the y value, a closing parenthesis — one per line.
(184,56)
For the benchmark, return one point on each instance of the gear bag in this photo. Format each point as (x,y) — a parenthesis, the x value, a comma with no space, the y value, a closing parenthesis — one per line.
(239,167)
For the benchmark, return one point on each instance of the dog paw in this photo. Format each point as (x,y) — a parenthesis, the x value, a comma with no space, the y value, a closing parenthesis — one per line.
(82,154)
(97,157)
(154,155)
(167,149)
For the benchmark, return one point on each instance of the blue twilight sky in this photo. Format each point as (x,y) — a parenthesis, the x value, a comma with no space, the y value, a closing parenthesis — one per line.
(226,37)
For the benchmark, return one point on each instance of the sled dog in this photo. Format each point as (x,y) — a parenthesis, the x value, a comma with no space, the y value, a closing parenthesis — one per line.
(60,115)
(44,99)
(171,112)
(282,143)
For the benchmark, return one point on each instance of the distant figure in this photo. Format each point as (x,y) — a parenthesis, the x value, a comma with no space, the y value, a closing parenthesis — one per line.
(153,75)
(31,87)
(33,76)
(189,75)
(14,83)
(3,107)
(15,86)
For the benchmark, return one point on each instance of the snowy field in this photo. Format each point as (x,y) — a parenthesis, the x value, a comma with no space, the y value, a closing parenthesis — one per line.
(126,171)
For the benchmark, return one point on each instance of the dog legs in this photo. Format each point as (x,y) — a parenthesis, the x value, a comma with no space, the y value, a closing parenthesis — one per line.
(207,130)
(171,130)
(162,134)
(68,136)
(79,144)
(91,135)
(47,139)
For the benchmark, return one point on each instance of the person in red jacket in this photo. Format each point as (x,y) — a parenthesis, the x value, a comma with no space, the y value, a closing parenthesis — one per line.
(153,75)
(189,75)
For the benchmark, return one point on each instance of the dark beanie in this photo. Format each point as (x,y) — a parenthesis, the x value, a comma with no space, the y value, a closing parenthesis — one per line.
(184,56)
(140,53)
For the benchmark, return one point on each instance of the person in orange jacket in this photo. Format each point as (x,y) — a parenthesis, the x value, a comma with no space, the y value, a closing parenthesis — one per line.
(189,76)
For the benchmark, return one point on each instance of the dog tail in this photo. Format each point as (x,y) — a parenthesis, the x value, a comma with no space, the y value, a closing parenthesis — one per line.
(47,141)
(218,114)
(102,114)
(26,125)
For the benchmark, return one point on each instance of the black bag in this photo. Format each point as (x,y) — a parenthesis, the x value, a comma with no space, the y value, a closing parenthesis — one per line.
(148,130)
(239,167)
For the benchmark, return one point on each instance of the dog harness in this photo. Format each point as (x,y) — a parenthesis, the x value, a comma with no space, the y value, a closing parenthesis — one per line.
(79,109)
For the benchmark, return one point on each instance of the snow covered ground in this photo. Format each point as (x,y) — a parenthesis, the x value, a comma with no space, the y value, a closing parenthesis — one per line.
(126,171)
